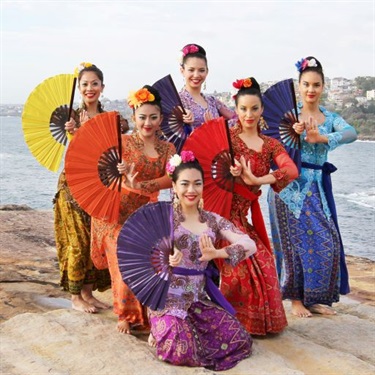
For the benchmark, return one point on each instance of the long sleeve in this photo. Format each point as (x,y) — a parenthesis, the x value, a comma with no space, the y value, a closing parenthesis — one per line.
(240,247)
(342,133)
(287,170)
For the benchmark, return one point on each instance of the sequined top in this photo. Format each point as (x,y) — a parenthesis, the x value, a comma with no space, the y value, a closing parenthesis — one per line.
(214,106)
(338,132)
(184,290)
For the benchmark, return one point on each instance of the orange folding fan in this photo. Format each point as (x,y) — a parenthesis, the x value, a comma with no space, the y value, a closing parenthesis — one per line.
(91,166)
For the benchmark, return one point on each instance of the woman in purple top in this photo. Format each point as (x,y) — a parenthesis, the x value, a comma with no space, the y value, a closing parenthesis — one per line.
(195,70)
(193,330)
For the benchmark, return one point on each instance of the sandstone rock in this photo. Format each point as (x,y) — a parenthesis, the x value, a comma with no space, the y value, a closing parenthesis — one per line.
(40,334)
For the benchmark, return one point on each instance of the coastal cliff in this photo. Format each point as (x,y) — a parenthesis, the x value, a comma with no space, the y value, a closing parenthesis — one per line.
(40,334)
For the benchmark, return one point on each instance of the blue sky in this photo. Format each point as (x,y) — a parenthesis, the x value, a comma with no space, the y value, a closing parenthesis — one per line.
(138,42)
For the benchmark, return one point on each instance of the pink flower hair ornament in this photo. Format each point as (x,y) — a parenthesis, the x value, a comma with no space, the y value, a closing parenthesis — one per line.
(176,160)
(190,48)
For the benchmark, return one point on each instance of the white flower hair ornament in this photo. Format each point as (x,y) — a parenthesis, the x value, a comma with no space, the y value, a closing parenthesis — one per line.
(176,160)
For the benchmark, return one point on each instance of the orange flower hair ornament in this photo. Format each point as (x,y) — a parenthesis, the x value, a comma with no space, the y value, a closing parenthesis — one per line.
(137,98)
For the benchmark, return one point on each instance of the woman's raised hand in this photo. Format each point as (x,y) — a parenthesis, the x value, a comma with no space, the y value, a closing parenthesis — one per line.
(83,117)
(207,248)
(299,127)
(247,174)
(175,259)
(207,116)
(70,126)
(189,117)
(312,132)
(128,172)
(236,170)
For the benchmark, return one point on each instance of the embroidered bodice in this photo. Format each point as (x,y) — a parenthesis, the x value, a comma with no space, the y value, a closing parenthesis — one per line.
(186,289)
(213,106)
(338,132)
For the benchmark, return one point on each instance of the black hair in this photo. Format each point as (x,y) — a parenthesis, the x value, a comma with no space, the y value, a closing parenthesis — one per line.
(94,69)
(201,53)
(254,89)
(318,68)
(188,165)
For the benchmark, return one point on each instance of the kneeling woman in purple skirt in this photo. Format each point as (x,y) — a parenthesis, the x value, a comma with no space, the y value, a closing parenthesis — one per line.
(197,327)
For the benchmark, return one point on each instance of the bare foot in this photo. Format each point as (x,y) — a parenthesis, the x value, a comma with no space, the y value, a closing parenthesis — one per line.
(324,310)
(95,302)
(123,327)
(80,305)
(299,309)
(151,341)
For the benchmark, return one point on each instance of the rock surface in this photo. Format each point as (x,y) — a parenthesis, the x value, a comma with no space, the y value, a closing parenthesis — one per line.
(40,334)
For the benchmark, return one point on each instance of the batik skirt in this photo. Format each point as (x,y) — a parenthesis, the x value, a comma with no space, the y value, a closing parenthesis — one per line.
(208,337)
(308,250)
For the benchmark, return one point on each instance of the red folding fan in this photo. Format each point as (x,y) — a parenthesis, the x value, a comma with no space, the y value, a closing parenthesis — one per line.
(211,145)
(91,166)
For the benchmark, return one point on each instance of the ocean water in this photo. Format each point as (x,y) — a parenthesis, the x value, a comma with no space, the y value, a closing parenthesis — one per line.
(24,181)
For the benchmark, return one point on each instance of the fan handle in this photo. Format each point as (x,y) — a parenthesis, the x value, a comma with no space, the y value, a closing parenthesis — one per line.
(119,145)
(294,98)
(177,94)
(72,98)
(229,143)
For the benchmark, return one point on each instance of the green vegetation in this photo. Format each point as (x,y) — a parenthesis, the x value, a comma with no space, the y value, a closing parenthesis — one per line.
(365,83)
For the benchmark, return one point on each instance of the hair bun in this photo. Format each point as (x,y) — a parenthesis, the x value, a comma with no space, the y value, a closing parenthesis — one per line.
(154,92)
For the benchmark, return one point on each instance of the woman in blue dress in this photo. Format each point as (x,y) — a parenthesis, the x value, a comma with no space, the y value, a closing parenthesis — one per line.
(303,216)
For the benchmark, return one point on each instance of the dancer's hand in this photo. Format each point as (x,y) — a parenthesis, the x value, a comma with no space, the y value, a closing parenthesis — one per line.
(189,117)
(175,259)
(247,174)
(83,117)
(236,170)
(70,126)
(207,248)
(299,127)
(207,116)
(312,132)
(128,172)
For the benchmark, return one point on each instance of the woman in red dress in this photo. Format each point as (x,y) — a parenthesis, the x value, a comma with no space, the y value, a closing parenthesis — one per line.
(252,287)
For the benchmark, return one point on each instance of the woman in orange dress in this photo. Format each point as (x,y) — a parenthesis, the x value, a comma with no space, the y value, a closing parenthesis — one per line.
(144,161)
(252,287)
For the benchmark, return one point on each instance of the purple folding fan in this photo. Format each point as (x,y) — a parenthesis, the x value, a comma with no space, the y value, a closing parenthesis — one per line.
(173,128)
(143,248)
(280,113)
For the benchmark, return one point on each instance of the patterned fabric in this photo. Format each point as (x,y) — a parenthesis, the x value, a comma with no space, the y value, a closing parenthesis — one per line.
(151,171)
(214,106)
(208,337)
(72,235)
(192,330)
(306,241)
(252,287)
(310,248)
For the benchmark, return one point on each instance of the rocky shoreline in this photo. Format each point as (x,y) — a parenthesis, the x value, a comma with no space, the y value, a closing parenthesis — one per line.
(40,334)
